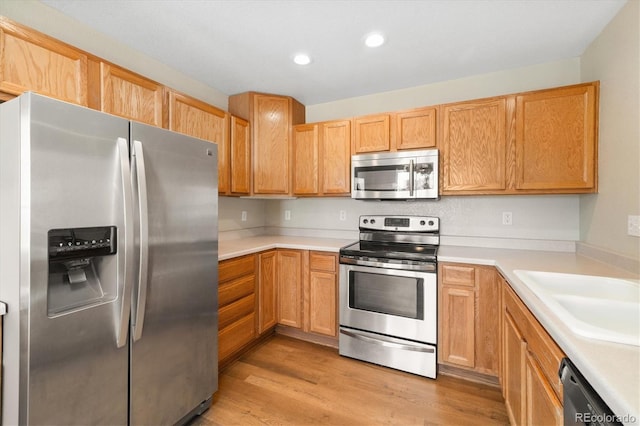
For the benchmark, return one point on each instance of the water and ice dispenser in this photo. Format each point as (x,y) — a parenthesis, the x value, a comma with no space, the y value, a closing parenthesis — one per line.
(82,268)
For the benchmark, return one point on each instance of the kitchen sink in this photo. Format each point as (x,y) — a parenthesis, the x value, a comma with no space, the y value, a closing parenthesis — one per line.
(600,308)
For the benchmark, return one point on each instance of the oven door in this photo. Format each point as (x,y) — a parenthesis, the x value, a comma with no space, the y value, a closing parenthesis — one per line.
(393,302)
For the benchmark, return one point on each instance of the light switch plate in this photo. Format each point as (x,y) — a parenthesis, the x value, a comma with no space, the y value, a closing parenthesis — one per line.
(287,215)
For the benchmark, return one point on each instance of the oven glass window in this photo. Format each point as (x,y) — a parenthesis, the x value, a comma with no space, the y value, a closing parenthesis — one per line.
(382,178)
(386,294)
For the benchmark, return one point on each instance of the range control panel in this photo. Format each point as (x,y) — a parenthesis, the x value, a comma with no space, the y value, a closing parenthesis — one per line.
(73,243)
(400,223)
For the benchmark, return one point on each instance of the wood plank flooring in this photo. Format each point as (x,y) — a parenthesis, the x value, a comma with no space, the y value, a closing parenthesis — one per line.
(287,381)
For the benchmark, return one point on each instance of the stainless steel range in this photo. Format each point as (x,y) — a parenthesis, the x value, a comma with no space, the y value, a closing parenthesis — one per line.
(388,293)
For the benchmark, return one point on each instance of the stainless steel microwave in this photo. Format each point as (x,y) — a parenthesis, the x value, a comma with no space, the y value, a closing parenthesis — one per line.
(403,175)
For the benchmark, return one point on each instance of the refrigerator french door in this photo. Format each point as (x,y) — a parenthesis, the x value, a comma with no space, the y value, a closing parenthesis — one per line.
(108,265)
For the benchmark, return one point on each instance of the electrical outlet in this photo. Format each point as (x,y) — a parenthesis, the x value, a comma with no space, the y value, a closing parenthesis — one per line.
(633,226)
(243,216)
(287,215)
(507,218)
(343,215)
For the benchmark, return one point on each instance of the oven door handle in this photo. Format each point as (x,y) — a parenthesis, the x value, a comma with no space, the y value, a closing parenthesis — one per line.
(381,341)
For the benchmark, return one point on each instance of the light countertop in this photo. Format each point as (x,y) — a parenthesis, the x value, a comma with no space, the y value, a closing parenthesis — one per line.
(612,369)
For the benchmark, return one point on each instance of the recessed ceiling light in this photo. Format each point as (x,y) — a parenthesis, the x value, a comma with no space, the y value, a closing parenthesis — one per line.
(302,59)
(374,40)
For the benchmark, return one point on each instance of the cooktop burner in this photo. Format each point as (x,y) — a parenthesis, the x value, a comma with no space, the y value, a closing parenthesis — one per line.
(392,250)
(397,238)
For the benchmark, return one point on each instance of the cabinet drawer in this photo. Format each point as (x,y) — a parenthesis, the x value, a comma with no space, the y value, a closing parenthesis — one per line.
(235,311)
(458,275)
(322,261)
(235,336)
(234,268)
(236,289)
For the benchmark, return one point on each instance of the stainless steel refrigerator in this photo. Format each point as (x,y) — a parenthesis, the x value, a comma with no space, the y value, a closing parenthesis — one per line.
(108,265)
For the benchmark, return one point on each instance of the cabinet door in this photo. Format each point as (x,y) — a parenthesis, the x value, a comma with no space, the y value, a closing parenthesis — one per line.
(31,61)
(371,133)
(240,156)
(267,300)
(290,283)
(335,142)
(129,95)
(416,128)
(474,146)
(542,405)
(198,119)
(457,316)
(488,309)
(271,143)
(556,139)
(514,371)
(321,301)
(305,159)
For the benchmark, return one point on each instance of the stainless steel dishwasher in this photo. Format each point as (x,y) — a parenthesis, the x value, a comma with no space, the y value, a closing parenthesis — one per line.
(582,404)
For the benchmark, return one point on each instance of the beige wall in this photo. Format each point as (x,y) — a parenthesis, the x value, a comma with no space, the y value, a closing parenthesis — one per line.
(45,19)
(613,58)
(515,80)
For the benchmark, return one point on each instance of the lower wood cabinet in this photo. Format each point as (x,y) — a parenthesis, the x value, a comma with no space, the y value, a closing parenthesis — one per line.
(531,387)
(469,317)
(321,296)
(267,291)
(236,305)
(291,265)
(293,288)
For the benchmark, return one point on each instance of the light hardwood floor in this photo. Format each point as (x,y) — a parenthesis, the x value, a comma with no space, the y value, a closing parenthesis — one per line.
(286,381)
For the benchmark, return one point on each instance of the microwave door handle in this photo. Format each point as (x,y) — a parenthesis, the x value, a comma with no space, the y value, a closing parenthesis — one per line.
(411,177)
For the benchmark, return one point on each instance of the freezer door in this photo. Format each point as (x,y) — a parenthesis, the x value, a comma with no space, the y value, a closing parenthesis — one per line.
(66,357)
(174,330)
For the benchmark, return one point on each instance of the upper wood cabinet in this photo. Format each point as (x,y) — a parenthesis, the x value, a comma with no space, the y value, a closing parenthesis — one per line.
(371,133)
(306,161)
(271,118)
(474,143)
(555,139)
(240,156)
(130,95)
(32,61)
(335,144)
(198,119)
(540,142)
(415,128)
(469,317)
(322,158)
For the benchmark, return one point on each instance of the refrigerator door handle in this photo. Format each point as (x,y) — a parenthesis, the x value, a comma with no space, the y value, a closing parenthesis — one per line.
(141,295)
(125,273)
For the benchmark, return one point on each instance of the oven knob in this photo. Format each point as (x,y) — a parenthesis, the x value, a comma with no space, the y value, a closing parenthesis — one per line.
(373,221)
(430,223)
(422,222)
(365,221)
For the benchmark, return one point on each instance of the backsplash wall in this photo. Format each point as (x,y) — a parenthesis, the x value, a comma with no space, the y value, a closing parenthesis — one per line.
(537,217)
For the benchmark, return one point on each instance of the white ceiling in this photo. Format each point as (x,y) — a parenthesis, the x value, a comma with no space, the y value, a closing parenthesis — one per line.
(236,46)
